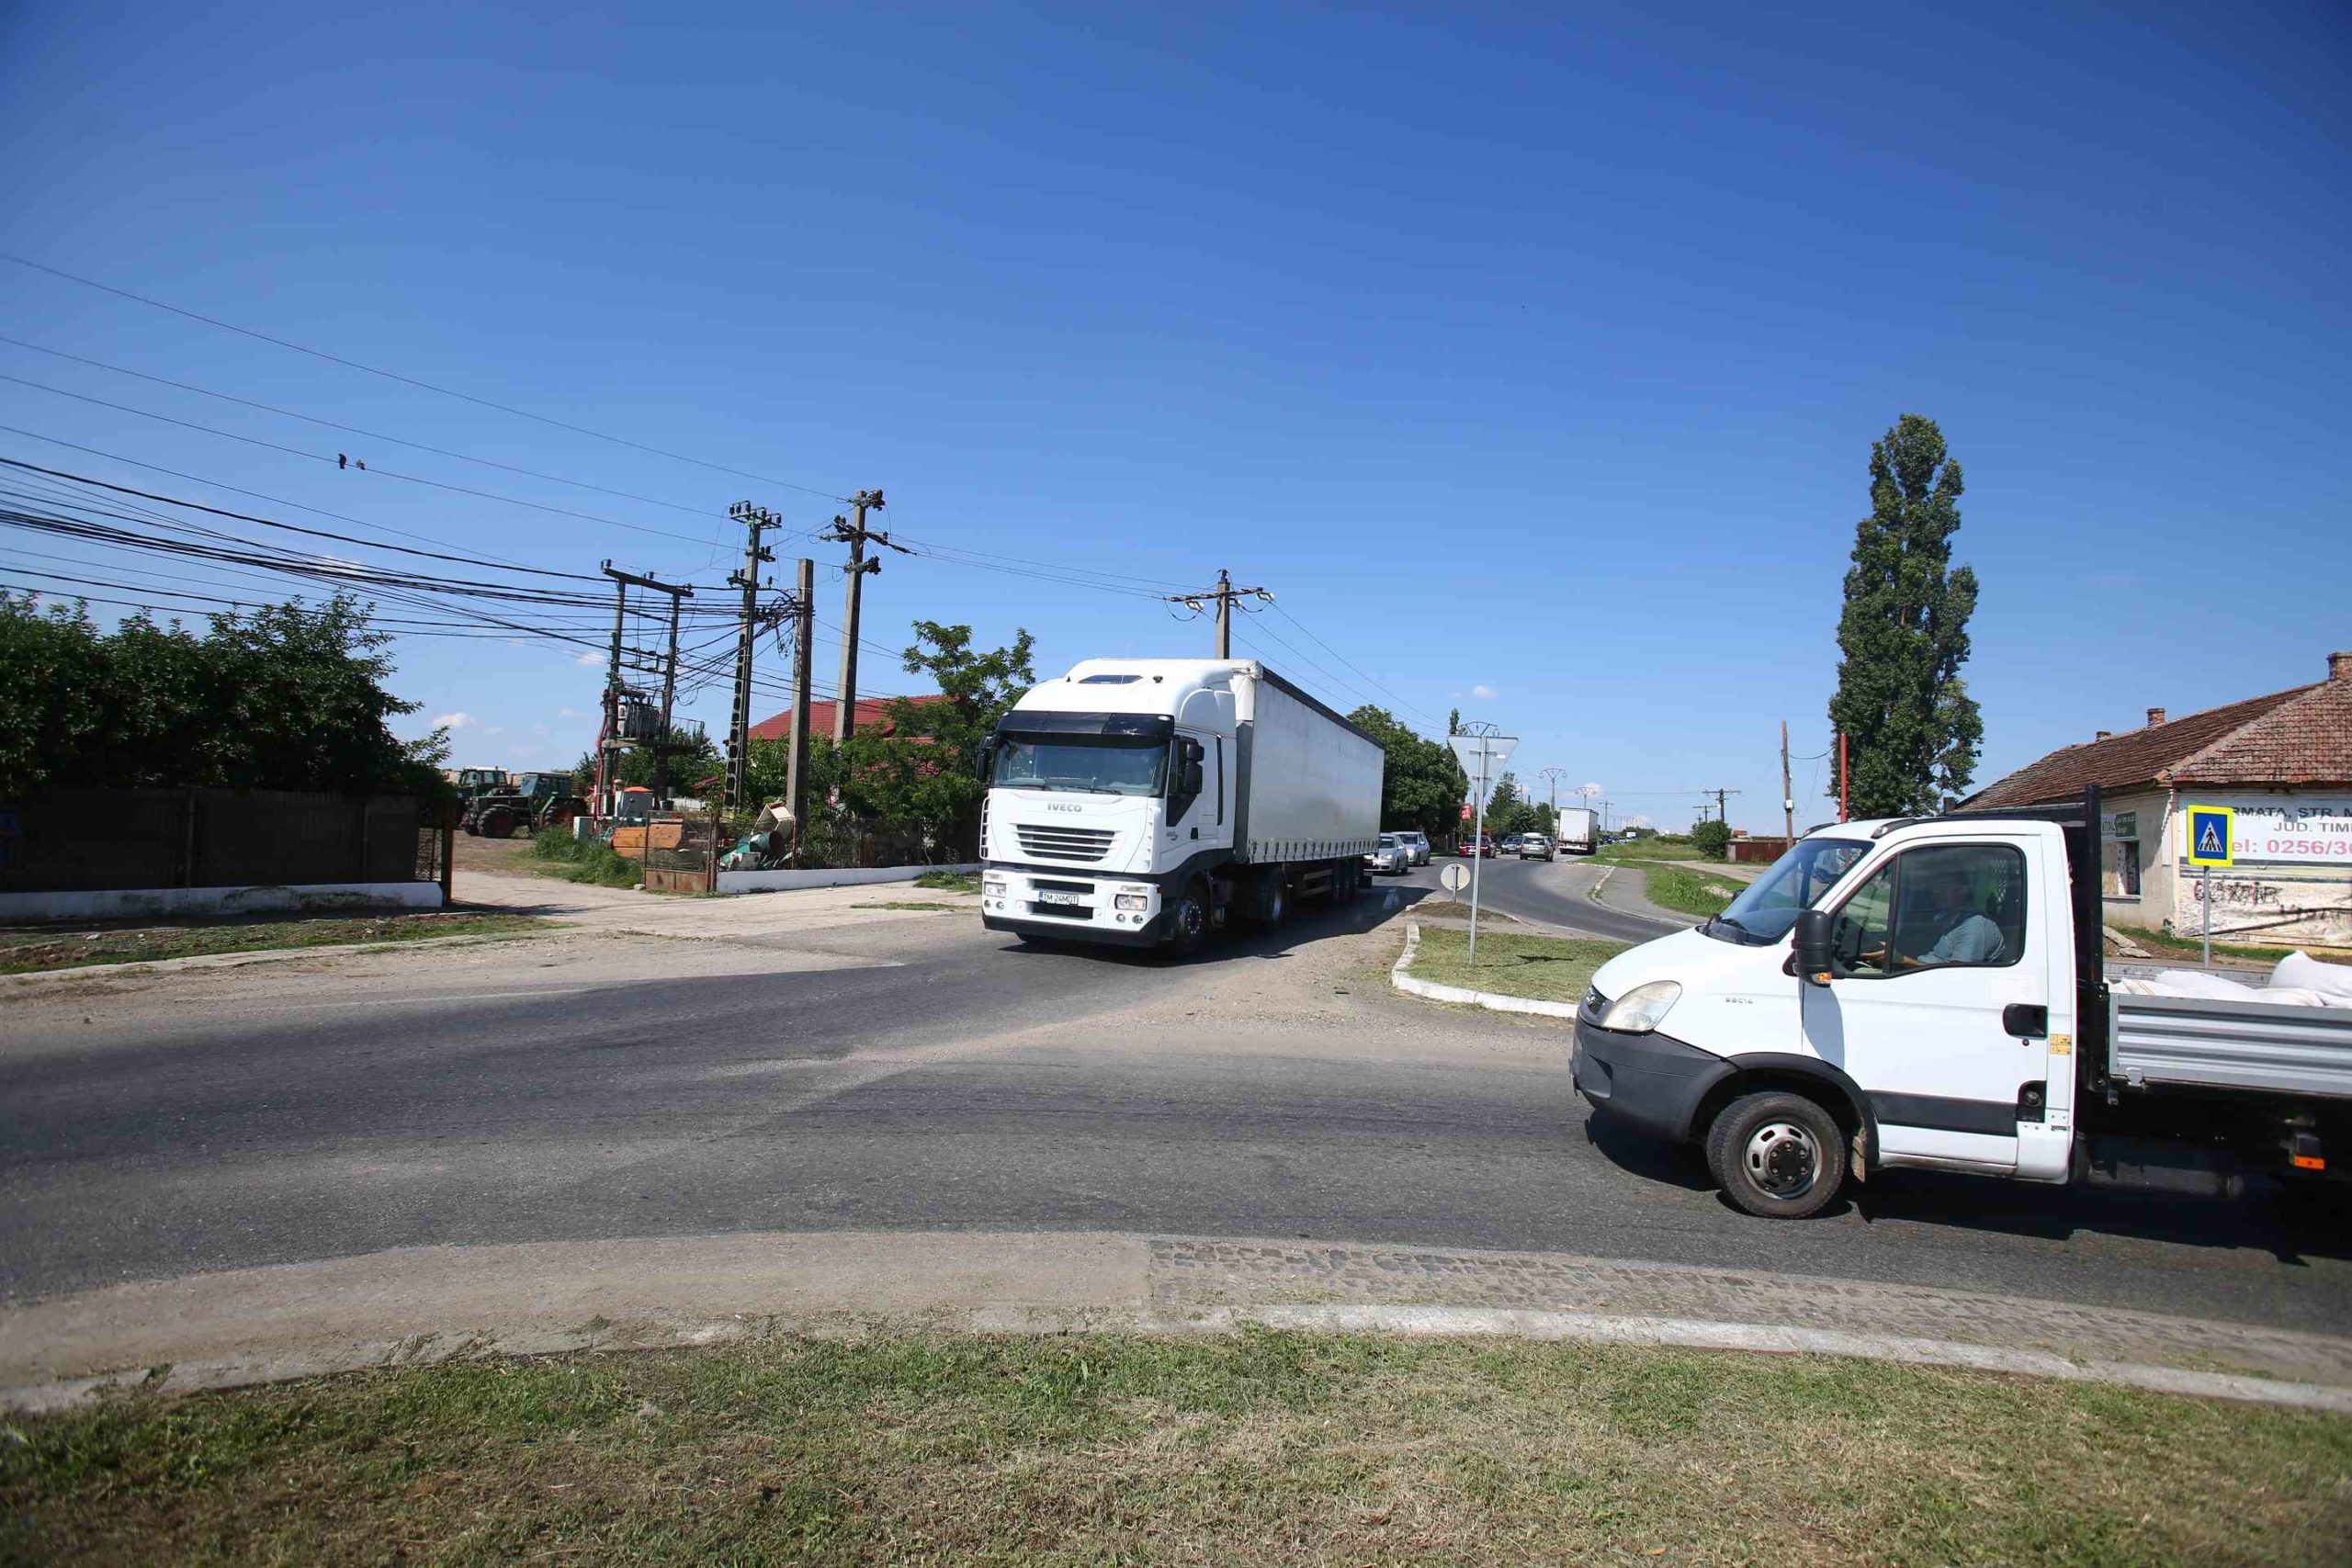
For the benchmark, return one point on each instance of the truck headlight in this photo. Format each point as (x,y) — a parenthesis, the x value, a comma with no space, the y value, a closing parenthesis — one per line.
(1642,1009)
(992,886)
(1132,900)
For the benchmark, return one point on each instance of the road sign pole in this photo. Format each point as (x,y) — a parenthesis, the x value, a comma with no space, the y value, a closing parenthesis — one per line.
(1477,852)
(2207,893)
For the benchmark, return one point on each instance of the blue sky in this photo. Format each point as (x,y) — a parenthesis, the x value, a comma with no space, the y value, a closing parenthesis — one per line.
(1518,356)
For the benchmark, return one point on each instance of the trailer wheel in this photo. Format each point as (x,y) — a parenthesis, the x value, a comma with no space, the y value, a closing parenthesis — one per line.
(1277,904)
(1777,1155)
(1188,919)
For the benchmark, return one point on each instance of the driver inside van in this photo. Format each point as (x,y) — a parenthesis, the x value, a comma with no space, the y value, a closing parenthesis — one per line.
(1966,934)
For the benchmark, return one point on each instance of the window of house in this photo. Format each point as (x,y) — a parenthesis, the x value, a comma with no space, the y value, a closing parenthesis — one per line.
(2119,869)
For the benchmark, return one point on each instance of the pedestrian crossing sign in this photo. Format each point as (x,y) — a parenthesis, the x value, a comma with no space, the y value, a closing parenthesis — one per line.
(2210,832)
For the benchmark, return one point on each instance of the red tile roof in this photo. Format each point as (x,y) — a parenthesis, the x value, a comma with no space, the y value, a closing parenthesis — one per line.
(873,713)
(2303,736)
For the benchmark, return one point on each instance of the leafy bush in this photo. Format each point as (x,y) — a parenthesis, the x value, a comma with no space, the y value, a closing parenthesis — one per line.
(1711,839)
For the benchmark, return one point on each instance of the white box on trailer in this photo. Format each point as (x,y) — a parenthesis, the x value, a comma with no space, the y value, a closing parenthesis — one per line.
(1309,781)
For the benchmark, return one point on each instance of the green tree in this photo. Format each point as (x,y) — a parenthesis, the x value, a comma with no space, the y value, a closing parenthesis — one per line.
(1421,781)
(1912,731)
(923,774)
(696,759)
(1711,838)
(288,696)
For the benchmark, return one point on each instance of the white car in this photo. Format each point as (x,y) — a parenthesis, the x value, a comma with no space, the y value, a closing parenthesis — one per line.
(1419,843)
(1536,846)
(1390,854)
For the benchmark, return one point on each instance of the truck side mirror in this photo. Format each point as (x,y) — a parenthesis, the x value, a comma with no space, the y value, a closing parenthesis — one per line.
(1191,775)
(1192,749)
(986,764)
(1813,947)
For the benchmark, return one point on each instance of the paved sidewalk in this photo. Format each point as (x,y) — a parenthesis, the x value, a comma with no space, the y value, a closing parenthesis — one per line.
(796,912)
(433,1303)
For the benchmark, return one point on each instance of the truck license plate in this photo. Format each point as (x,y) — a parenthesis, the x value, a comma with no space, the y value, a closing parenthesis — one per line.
(1049,896)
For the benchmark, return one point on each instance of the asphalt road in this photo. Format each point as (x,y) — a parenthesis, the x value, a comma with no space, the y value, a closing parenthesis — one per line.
(919,1074)
(1558,893)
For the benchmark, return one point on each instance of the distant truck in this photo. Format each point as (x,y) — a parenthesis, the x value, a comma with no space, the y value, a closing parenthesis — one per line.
(1150,802)
(1579,831)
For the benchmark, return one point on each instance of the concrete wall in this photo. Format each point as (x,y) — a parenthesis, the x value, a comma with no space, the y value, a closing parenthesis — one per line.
(849,876)
(144,903)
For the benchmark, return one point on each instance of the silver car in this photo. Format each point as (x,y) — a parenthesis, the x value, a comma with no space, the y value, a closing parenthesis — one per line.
(1419,843)
(1390,855)
(1536,846)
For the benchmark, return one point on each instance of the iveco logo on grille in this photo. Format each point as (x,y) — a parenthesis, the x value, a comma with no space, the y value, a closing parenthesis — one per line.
(1052,807)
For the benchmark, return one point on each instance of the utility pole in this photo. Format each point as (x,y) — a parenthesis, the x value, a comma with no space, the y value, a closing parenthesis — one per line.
(1788,799)
(855,536)
(796,771)
(756,519)
(1721,815)
(1552,777)
(613,740)
(1224,594)
(1841,775)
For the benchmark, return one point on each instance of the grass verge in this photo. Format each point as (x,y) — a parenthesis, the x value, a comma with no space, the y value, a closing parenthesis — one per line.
(1261,1448)
(1689,891)
(2190,948)
(1546,968)
(950,881)
(34,952)
(583,860)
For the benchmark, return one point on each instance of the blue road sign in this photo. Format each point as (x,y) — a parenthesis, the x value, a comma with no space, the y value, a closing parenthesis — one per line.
(2212,830)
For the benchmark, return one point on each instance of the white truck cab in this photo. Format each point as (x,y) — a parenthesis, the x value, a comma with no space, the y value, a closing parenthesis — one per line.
(1140,802)
(1930,993)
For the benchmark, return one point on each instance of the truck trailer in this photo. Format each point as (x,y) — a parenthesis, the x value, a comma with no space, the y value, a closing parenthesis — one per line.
(1579,831)
(1148,802)
(1931,993)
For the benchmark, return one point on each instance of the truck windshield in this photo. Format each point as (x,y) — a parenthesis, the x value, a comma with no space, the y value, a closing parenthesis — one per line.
(1112,765)
(1769,906)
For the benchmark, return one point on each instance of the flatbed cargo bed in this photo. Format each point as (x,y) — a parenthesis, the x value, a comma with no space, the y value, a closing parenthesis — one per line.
(2271,1047)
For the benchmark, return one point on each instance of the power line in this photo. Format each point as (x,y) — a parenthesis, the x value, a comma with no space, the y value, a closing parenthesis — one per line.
(1344,658)
(409,381)
(356,430)
(340,461)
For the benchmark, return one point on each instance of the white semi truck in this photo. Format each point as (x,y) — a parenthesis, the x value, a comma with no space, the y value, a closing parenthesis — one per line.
(1579,831)
(1930,992)
(1152,801)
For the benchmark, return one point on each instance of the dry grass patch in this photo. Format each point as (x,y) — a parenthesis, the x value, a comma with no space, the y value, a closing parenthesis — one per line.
(1547,968)
(1260,1447)
(27,952)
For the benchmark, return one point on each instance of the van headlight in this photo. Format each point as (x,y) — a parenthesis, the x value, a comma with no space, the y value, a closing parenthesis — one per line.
(1642,1009)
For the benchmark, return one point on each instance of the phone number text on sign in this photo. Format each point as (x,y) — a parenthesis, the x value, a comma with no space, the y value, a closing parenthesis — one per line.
(2303,830)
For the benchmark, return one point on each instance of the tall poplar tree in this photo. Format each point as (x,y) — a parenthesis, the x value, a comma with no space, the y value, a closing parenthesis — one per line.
(1911,729)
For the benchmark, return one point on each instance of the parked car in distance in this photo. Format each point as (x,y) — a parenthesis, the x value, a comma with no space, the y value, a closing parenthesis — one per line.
(1509,845)
(1389,854)
(1419,843)
(1536,846)
(1476,845)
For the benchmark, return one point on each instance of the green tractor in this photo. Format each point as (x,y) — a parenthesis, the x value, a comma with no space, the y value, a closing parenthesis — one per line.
(527,802)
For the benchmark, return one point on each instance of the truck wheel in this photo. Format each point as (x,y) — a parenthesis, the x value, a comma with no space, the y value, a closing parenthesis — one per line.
(1188,919)
(1277,903)
(1777,1155)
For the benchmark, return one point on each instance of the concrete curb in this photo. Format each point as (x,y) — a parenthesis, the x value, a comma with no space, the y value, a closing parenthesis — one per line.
(423,1307)
(262,955)
(1429,990)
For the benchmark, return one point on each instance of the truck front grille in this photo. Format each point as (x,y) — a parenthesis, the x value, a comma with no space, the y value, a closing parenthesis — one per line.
(1064,843)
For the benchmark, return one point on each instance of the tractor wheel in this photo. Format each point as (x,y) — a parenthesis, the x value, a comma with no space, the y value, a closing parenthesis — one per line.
(498,823)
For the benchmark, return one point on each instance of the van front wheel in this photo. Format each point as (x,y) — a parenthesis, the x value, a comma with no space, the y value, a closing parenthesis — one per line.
(1777,1155)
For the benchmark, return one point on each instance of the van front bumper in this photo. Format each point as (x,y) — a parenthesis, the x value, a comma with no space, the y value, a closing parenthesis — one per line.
(1649,1081)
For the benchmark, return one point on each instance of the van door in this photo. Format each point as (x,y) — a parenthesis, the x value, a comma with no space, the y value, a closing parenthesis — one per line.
(1931,948)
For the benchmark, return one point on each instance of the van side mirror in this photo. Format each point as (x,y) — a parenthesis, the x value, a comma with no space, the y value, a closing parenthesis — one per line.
(1814,964)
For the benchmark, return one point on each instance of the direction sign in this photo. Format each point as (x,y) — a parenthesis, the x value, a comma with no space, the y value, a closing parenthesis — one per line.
(1457,876)
(2213,832)
(1496,747)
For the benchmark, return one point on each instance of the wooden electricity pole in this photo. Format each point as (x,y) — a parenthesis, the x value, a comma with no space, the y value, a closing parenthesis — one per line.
(1224,594)
(756,519)
(1788,801)
(855,536)
(803,633)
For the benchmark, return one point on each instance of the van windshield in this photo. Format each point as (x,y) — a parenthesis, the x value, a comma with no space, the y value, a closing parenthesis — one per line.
(1112,764)
(1770,905)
